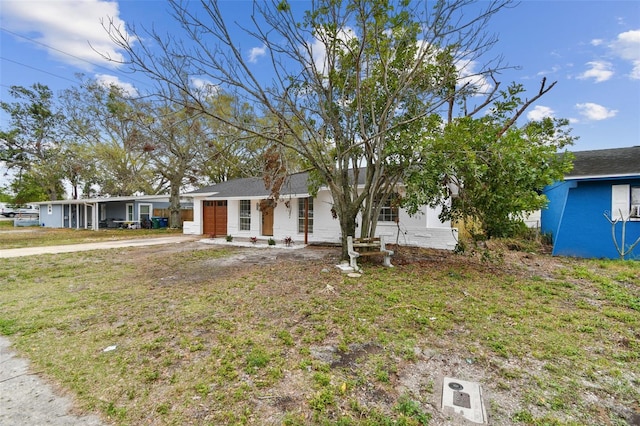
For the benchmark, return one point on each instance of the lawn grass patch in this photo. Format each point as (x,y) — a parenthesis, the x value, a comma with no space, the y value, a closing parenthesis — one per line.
(40,237)
(142,335)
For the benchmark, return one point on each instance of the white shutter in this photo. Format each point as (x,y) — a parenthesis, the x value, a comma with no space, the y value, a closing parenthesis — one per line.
(619,201)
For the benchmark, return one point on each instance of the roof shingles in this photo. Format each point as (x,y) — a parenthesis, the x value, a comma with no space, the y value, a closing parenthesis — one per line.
(255,187)
(606,163)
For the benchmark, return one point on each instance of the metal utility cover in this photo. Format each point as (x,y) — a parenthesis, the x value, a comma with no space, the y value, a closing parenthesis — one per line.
(464,398)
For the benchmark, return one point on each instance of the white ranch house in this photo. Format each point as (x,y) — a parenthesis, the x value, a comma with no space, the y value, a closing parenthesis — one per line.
(241,208)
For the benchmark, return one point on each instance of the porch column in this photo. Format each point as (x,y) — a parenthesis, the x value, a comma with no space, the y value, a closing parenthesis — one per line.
(96,209)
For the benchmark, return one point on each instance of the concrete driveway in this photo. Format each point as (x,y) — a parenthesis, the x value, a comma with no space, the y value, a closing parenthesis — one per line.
(100,245)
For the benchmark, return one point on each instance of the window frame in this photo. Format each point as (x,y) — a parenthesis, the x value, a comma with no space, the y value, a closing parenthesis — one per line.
(625,202)
(244,211)
(129,212)
(389,212)
(302,215)
(140,214)
(634,200)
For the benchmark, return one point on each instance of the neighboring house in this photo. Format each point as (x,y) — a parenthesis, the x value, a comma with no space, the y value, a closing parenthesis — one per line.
(95,213)
(602,182)
(242,208)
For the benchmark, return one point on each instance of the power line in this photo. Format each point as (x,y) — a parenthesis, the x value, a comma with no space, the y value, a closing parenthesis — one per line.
(67,54)
(37,69)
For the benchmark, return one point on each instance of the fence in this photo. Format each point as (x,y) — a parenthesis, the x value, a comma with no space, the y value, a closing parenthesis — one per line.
(185,214)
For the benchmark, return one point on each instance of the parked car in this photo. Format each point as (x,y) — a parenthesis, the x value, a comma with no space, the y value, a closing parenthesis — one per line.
(7,210)
(29,209)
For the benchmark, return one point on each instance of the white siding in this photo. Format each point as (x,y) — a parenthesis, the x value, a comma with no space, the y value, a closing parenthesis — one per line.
(423,229)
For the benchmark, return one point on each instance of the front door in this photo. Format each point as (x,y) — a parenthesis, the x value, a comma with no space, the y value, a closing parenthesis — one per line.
(267,219)
(214,218)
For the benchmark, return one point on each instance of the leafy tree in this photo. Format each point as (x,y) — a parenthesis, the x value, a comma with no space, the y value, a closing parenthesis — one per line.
(105,122)
(366,80)
(81,169)
(27,187)
(495,169)
(230,152)
(33,146)
(178,144)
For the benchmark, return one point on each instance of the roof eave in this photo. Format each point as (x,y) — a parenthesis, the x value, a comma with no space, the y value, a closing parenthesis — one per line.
(600,177)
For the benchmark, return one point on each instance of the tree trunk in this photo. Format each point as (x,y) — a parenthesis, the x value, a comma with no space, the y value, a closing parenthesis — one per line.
(174,205)
(347,210)
(348,228)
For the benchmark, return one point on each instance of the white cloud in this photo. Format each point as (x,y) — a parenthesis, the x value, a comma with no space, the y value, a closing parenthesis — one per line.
(539,112)
(627,47)
(467,74)
(70,29)
(600,71)
(203,87)
(553,70)
(111,80)
(256,53)
(597,42)
(595,112)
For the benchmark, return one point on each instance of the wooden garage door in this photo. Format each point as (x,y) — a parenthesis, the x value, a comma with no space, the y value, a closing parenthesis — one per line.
(214,218)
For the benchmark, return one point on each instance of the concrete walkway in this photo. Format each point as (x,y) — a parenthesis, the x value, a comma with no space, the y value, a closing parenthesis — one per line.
(99,245)
(25,399)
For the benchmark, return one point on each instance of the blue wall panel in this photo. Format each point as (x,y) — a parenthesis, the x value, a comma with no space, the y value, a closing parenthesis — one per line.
(583,231)
(552,215)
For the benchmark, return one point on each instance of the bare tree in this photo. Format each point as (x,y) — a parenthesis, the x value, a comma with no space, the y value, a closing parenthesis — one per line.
(362,78)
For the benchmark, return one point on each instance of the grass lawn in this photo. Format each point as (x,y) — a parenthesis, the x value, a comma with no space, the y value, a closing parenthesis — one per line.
(220,335)
(34,236)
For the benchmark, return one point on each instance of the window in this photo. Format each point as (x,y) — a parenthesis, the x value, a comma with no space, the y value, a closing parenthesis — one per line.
(305,215)
(389,210)
(635,202)
(129,213)
(245,215)
(144,212)
(625,200)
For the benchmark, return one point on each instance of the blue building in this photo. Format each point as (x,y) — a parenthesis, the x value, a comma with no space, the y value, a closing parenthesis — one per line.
(602,182)
(110,212)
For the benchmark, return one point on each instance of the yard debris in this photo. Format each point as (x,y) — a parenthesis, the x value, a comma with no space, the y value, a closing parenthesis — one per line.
(110,348)
(329,289)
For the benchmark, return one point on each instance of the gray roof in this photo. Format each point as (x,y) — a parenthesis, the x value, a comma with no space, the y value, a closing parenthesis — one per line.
(254,187)
(159,198)
(616,162)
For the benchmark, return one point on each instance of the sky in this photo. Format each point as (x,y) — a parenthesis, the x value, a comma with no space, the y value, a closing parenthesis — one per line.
(591,48)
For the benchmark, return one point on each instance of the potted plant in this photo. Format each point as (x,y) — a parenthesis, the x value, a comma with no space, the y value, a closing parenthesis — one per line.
(229,238)
(271,242)
(288,241)
(253,240)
